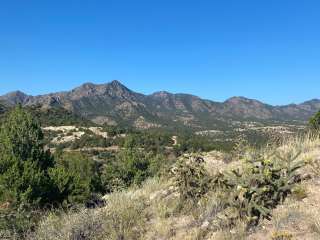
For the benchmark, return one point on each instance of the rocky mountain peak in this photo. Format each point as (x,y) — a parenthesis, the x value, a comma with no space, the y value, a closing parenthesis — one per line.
(116,83)
(116,86)
(16,97)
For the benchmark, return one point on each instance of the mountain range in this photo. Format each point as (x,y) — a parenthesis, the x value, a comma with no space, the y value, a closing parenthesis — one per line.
(114,103)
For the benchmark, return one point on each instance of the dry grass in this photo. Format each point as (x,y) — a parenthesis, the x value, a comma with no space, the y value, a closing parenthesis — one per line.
(124,217)
(82,224)
(150,212)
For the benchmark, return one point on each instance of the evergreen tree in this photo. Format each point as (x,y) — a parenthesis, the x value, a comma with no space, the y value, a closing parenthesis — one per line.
(24,163)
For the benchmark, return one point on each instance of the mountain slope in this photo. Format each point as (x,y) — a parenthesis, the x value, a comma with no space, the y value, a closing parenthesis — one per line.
(114,103)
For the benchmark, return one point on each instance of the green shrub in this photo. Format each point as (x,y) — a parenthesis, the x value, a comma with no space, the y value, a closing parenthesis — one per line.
(153,141)
(314,122)
(76,177)
(131,166)
(88,140)
(70,188)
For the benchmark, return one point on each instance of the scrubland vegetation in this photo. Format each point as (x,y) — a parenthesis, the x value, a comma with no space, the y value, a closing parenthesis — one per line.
(155,188)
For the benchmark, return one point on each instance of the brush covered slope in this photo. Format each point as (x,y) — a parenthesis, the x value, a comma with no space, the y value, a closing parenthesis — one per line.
(152,187)
(208,205)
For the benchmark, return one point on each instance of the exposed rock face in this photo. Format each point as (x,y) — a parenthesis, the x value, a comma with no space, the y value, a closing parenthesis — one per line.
(113,102)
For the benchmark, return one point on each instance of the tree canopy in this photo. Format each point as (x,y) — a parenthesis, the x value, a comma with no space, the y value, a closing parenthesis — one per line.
(24,163)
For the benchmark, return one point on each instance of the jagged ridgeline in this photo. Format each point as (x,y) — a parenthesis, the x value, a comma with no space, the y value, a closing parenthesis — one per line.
(113,103)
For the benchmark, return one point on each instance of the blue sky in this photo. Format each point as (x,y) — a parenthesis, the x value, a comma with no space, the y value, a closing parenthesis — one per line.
(266,49)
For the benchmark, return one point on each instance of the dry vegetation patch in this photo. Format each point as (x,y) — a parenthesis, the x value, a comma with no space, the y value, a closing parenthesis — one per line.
(154,210)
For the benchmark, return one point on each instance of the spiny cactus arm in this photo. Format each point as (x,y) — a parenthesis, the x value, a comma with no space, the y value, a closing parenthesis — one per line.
(263,210)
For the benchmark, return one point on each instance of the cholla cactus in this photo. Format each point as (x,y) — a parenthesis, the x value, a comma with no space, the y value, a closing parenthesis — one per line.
(251,193)
(192,178)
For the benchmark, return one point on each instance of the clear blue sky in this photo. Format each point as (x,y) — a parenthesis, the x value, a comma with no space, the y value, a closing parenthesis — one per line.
(263,49)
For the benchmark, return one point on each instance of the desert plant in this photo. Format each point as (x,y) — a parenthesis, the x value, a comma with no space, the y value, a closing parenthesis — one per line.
(240,148)
(252,192)
(17,224)
(192,179)
(315,166)
(125,217)
(76,224)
